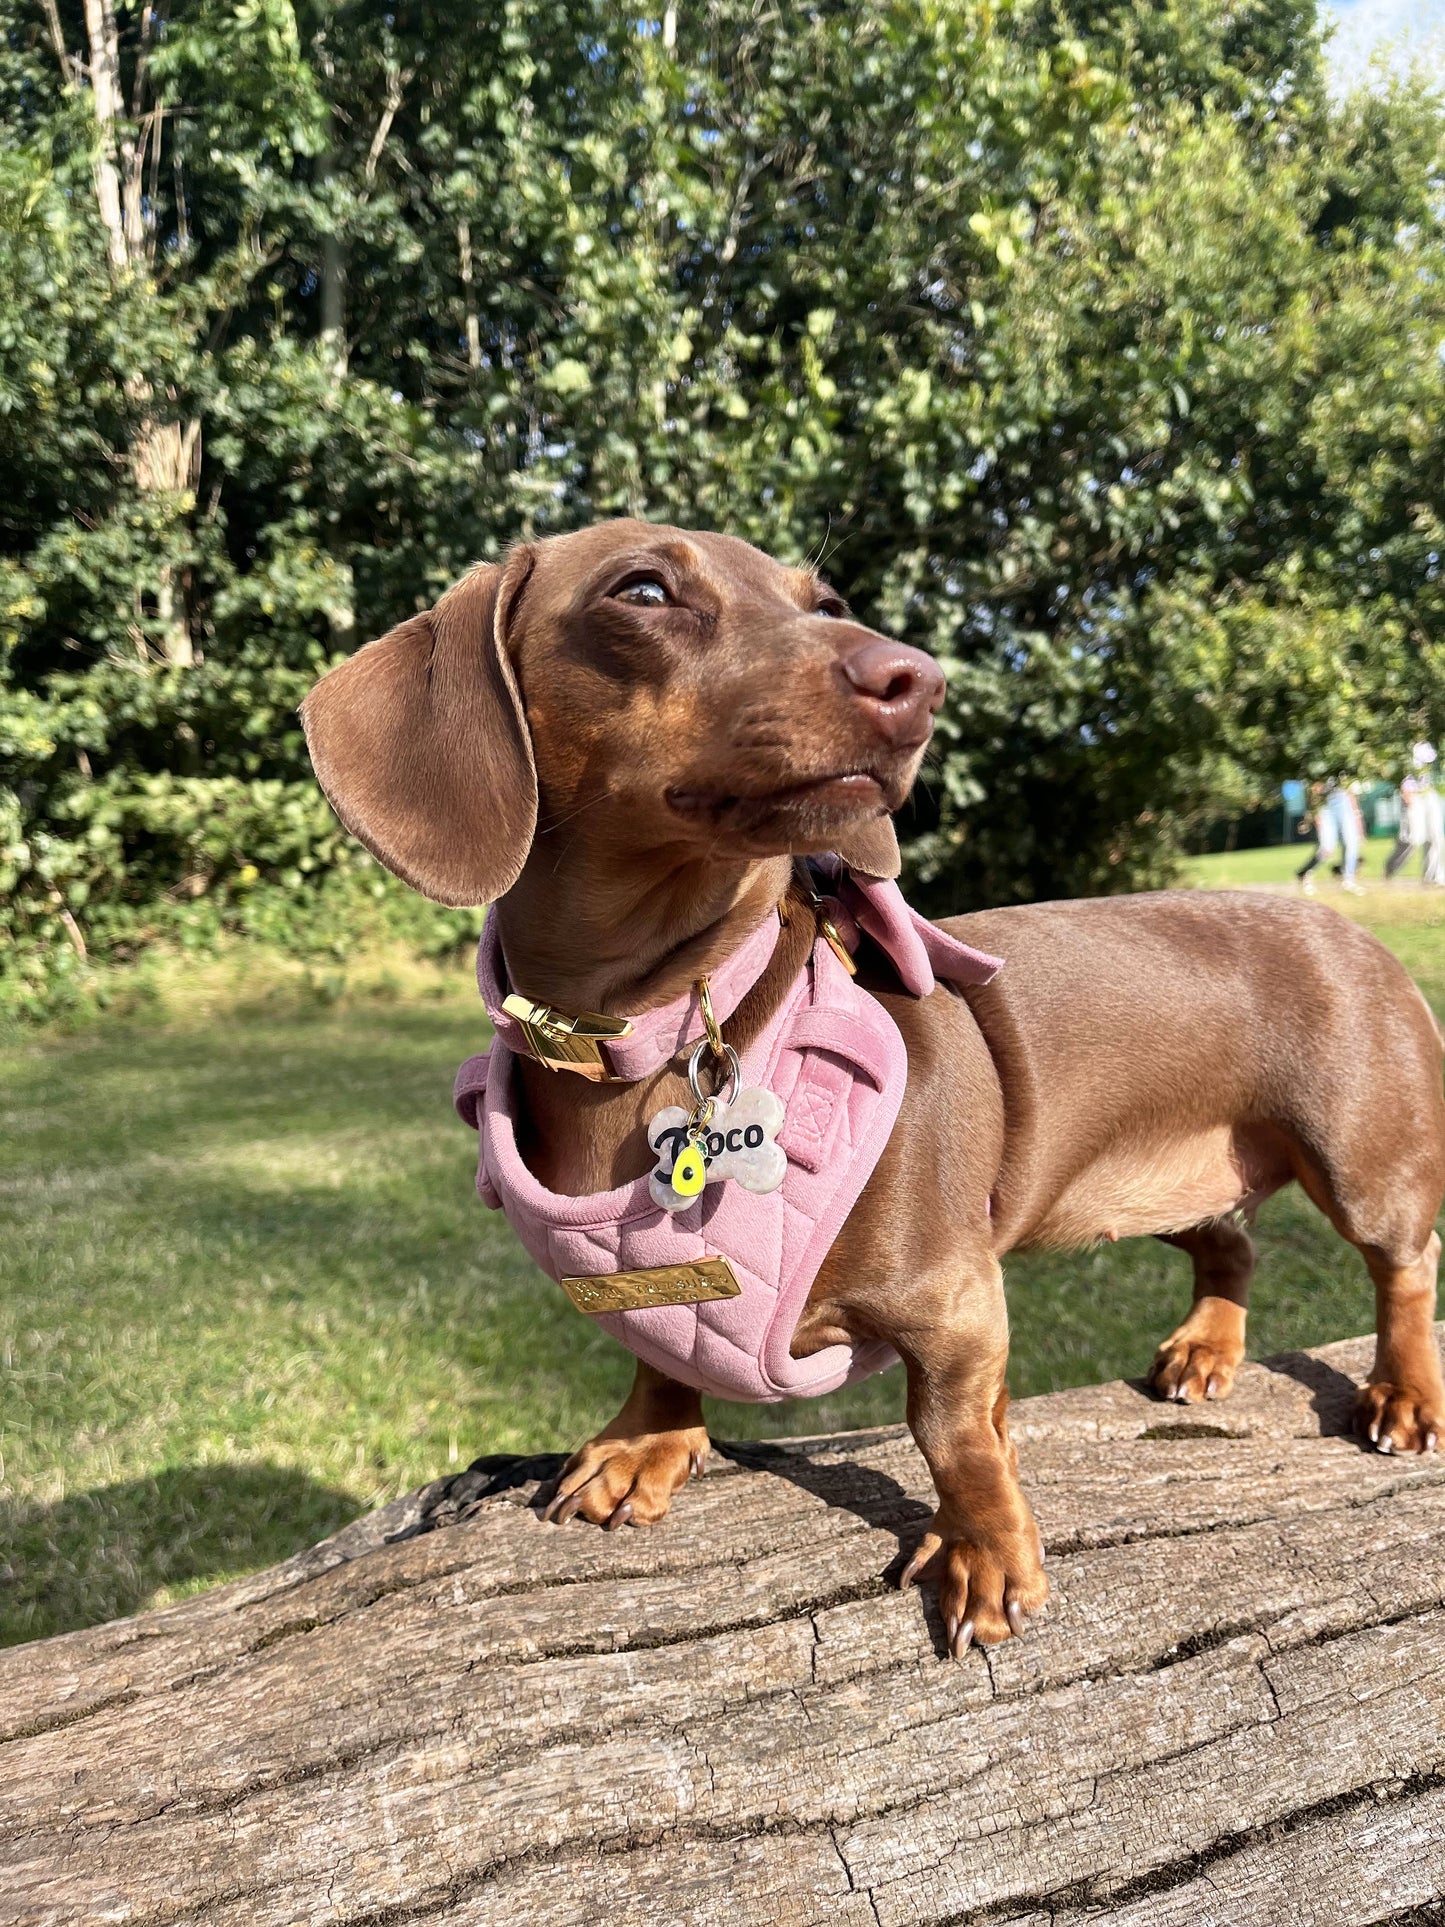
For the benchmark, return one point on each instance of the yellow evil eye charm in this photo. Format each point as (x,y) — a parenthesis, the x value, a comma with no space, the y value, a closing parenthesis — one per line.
(689,1174)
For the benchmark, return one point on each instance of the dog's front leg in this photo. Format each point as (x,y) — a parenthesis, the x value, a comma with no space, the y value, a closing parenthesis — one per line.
(629,1472)
(982,1547)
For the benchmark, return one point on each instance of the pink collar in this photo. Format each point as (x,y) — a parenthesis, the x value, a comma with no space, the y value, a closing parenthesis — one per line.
(919,951)
(657,1035)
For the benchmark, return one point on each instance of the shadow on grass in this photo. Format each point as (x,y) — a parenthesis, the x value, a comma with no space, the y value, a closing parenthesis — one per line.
(104,1554)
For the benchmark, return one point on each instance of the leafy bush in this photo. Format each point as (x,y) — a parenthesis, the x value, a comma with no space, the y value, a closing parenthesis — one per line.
(1097,351)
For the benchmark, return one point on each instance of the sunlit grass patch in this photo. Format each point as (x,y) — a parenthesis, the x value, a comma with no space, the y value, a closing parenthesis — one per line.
(249,1289)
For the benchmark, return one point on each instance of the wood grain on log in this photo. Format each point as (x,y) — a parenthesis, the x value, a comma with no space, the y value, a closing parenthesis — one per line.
(1232,1712)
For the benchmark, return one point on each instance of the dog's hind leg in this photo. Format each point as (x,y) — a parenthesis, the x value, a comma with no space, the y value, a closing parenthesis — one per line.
(1380,1187)
(1200,1358)
(1402,1408)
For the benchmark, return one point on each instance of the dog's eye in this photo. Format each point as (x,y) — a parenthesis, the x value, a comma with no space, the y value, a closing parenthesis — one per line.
(834,607)
(645,593)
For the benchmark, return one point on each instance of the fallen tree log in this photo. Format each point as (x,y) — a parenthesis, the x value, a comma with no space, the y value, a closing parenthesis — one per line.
(1232,1712)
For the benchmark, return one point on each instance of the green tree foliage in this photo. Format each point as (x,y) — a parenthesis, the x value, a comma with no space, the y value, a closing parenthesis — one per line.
(1096,349)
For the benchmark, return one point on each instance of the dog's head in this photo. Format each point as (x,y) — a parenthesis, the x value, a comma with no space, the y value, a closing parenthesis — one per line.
(683,691)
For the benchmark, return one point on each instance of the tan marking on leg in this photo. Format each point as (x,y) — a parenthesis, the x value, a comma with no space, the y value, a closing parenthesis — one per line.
(1200,1358)
(982,1548)
(1402,1408)
(630,1472)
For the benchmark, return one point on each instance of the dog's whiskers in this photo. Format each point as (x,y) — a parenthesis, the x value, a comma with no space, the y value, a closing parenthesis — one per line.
(561,822)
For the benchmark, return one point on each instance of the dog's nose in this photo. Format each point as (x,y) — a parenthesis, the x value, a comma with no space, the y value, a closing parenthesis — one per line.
(900,687)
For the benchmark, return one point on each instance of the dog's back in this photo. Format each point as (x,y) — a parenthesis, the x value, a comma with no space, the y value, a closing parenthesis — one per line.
(1231,1040)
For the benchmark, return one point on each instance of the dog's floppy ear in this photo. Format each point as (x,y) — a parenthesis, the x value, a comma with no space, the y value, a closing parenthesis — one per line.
(872,848)
(421,745)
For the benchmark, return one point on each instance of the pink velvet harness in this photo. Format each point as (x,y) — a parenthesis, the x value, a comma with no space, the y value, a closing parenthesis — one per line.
(836,1059)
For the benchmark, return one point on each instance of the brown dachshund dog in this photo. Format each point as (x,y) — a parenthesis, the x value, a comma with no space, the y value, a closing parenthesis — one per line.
(622,738)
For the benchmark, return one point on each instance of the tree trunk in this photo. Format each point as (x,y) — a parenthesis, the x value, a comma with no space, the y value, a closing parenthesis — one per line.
(107,101)
(469,295)
(167,458)
(166,455)
(333,281)
(341,599)
(1231,1713)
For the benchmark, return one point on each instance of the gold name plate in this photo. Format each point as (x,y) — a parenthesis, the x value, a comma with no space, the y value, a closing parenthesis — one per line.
(690,1284)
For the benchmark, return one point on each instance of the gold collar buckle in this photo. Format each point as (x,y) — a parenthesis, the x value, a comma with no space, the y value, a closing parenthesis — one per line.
(565,1043)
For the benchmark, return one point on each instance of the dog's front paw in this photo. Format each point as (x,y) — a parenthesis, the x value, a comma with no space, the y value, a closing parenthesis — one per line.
(1190,1366)
(1396,1418)
(987,1586)
(627,1481)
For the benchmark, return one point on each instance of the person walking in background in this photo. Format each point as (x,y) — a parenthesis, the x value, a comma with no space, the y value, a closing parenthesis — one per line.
(1434,835)
(1422,819)
(1323,830)
(1313,820)
(1339,831)
(1352,839)
(1411,835)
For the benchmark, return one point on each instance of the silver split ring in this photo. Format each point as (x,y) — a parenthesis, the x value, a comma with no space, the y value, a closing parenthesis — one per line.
(734,1074)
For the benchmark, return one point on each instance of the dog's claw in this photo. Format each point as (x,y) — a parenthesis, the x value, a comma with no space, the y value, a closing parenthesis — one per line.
(923,1552)
(1194,1364)
(624,1480)
(985,1593)
(1397,1418)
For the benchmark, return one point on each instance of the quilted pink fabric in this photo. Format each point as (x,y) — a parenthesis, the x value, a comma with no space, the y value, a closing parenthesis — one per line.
(836,1059)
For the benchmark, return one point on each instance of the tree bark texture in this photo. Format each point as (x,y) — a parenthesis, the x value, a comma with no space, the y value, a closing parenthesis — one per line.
(1232,1711)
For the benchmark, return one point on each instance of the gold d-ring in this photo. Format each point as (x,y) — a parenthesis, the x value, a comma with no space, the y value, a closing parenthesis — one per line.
(709,1021)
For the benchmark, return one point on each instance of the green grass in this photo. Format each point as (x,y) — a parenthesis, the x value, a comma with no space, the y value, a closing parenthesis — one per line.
(248,1290)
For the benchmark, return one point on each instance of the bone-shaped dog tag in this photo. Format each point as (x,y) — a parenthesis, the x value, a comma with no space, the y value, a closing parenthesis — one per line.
(740,1142)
